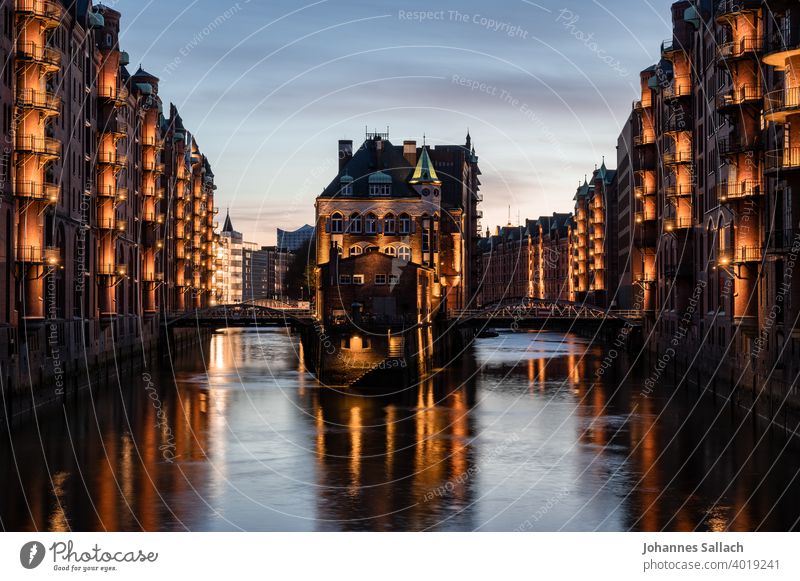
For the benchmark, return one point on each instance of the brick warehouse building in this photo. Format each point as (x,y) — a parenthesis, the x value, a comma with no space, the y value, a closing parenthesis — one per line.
(107,211)
(415,205)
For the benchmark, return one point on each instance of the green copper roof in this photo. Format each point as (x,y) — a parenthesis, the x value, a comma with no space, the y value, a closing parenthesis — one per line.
(424,173)
(380,178)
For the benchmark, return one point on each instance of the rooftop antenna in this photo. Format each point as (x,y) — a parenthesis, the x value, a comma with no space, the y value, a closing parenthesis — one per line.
(509,214)
(518,220)
(423,140)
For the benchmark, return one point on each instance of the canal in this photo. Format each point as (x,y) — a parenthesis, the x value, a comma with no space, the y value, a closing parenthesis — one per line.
(521,433)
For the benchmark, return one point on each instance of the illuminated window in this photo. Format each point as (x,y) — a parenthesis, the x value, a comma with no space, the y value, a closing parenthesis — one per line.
(337,224)
(404,253)
(394,279)
(390,250)
(358,279)
(356,250)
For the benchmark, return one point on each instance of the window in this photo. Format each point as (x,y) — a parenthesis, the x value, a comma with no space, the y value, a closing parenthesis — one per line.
(380,190)
(380,279)
(358,279)
(404,253)
(405,224)
(344,279)
(356,250)
(371,225)
(337,223)
(394,279)
(388,224)
(355,224)
(390,250)
(372,249)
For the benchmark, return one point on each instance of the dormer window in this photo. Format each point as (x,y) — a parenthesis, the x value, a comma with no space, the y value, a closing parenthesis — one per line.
(346,183)
(380,184)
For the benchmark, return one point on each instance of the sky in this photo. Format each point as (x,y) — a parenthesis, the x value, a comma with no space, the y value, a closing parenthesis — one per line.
(268,87)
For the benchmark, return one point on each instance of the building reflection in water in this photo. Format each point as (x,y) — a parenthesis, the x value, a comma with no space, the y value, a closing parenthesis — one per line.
(249,429)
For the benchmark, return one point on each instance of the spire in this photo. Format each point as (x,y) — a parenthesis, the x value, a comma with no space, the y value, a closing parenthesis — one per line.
(424,173)
(227,227)
(469,140)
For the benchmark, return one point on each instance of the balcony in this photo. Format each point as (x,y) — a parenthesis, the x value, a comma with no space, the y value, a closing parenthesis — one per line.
(45,56)
(112,94)
(740,255)
(116,127)
(112,158)
(643,191)
(645,216)
(112,224)
(738,97)
(676,157)
(677,124)
(739,191)
(44,146)
(153,166)
(37,191)
(735,146)
(779,105)
(50,255)
(747,47)
(783,160)
(149,141)
(644,278)
(647,138)
(779,47)
(680,87)
(43,101)
(677,224)
(49,13)
(671,47)
(678,191)
(110,269)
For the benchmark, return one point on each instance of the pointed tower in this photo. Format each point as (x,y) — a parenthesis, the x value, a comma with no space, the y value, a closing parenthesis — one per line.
(424,179)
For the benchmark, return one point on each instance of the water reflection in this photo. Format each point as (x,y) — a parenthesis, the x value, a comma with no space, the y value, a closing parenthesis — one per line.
(521,434)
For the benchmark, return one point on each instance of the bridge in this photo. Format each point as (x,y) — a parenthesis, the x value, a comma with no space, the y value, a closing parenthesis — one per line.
(243,315)
(537,312)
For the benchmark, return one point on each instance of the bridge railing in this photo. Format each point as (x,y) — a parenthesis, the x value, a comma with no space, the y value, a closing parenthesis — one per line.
(544,310)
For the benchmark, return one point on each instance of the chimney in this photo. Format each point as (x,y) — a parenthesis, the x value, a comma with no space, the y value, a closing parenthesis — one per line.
(345,152)
(410,152)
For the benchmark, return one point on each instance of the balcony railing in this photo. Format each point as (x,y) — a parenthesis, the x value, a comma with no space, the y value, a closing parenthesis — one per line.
(111,158)
(49,12)
(677,123)
(741,255)
(37,191)
(676,157)
(115,126)
(783,159)
(779,104)
(38,53)
(112,93)
(748,46)
(41,100)
(46,146)
(677,223)
(780,42)
(678,191)
(645,216)
(646,138)
(739,97)
(680,87)
(643,191)
(729,7)
(739,190)
(735,146)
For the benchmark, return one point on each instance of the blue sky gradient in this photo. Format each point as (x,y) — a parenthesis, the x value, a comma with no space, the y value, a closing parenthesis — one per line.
(269,87)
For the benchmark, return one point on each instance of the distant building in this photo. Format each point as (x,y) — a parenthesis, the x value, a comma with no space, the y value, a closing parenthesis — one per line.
(292,240)
(229,264)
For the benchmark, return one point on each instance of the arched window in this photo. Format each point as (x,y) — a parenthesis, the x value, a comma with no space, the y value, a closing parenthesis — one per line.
(372,249)
(355,250)
(371,224)
(337,223)
(404,253)
(405,224)
(355,223)
(388,224)
(390,250)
